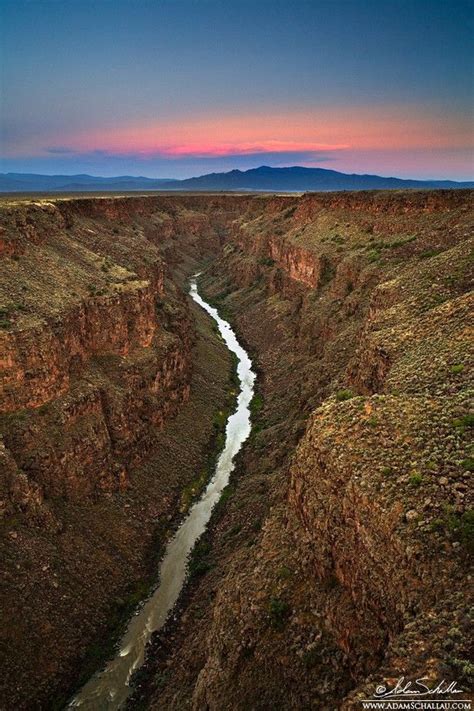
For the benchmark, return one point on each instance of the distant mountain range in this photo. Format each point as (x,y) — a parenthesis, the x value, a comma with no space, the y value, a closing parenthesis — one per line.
(294,179)
(32,182)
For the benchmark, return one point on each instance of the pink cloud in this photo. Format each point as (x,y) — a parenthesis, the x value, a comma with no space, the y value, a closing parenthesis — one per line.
(387,127)
(322,129)
(212,150)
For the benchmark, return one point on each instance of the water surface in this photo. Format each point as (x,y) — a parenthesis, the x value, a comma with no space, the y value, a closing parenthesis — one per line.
(108,689)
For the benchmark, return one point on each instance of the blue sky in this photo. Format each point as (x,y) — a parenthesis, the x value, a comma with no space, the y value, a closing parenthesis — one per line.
(180,88)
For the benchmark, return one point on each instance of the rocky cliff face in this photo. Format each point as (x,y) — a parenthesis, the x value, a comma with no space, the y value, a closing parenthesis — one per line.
(357,310)
(378,505)
(98,354)
(340,558)
(88,369)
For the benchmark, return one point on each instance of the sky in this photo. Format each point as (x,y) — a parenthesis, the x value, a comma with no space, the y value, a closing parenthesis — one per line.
(176,88)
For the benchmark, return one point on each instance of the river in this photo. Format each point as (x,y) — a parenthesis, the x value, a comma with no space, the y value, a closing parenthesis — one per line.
(109,688)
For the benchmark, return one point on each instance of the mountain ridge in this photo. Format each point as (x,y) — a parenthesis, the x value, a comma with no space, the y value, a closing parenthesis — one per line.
(264,178)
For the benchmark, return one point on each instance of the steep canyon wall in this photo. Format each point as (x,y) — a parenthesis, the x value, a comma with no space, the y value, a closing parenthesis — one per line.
(341,555)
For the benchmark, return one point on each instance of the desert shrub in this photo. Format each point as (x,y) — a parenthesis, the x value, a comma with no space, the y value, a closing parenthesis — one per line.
(266,261)
(416,479)
(462,526)
(463,422)
(284,573)
(373,255)
(278,612)
(344,394)
(464,668)
(428,253)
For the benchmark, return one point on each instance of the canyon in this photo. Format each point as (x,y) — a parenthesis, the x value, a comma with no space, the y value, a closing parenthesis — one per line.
(339,555)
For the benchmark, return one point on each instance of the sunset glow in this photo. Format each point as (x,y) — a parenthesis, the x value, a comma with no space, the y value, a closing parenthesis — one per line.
(177,103)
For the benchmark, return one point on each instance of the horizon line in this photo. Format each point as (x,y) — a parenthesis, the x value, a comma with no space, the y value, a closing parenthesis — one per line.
(234,170)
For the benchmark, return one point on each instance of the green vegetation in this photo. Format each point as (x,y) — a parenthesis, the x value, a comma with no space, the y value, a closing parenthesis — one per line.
(258,422)
(107,264)
(7,312)
(416,479)
(218,303)
(428,253)
(227,492)
(284,573)
(373,255)
(12,420)
(256,404)
(344,394)
(103,647)
(464,422)
(400,242)
(327,273)
(460,526)
(455,369)
(468,464)
(216,445)
(193,489)
(266,261)
(219,424)
(278,612)
(380,244)
(439,299)
(200,562)
(464,669)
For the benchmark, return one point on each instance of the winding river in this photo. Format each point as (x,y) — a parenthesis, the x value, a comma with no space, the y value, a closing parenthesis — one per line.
(108,689)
